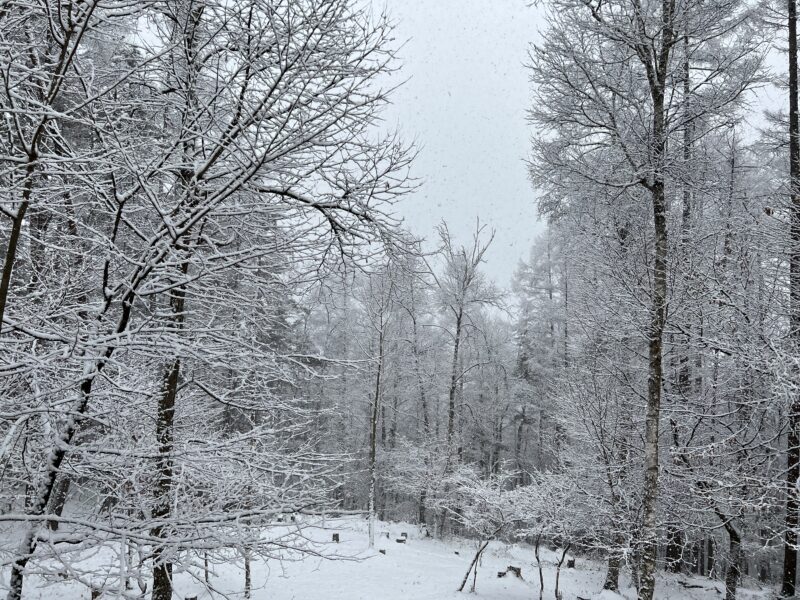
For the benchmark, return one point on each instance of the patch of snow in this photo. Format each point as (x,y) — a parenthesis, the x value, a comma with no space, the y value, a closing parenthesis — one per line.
(419,569)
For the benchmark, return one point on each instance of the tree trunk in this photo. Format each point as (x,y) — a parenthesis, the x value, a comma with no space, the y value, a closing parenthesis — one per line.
(393,422)
(793,436)
(165,432)
(655,377)
(674,556)
(165,437)
(649,540)
(373,438)
(558,567)
(383,426)
(423,401)
(614,563)
(58,500)
(700,557)
(732,573)
(248,585)
(11,254)
(565,276)
(612,573)
(451,406)
(473,565)
(539,564)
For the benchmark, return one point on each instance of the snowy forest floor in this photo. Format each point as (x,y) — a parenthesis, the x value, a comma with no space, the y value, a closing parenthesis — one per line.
(420,569)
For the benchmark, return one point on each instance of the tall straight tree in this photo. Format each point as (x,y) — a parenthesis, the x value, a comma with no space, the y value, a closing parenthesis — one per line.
(608,98)
(378,301)
(788,585)
(462,287)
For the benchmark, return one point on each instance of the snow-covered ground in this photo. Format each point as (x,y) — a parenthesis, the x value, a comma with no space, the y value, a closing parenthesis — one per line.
(420,569)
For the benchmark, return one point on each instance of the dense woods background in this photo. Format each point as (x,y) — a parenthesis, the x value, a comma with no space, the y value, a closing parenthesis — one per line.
(210,318)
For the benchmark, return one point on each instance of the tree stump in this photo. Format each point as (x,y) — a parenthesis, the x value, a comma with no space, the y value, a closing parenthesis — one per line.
(404,535)
(336,537)
(401,540)
(570,563)
(382,551)
(96,594)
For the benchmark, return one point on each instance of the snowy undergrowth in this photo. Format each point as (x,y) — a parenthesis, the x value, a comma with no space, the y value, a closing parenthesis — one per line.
(419,569)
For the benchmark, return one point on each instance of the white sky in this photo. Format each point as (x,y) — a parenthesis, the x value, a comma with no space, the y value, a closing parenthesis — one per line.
(464,104)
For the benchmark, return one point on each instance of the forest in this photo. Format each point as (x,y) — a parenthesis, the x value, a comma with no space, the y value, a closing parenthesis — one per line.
(216,330)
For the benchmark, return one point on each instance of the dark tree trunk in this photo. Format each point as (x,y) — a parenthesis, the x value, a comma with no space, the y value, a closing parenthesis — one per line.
(165,437)
(612,573)
(674,558)
(656,333)
(657,68)
(558,567)
(539,565)
(58,500)
(473,565)
(11,254)
(789,577)
(383,427)
(248,586)
(373,435)
(393,422)
(733,573)
(614,564)
(655,378)
(165,424)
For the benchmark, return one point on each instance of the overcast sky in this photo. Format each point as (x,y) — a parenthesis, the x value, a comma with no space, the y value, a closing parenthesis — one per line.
(464,103)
